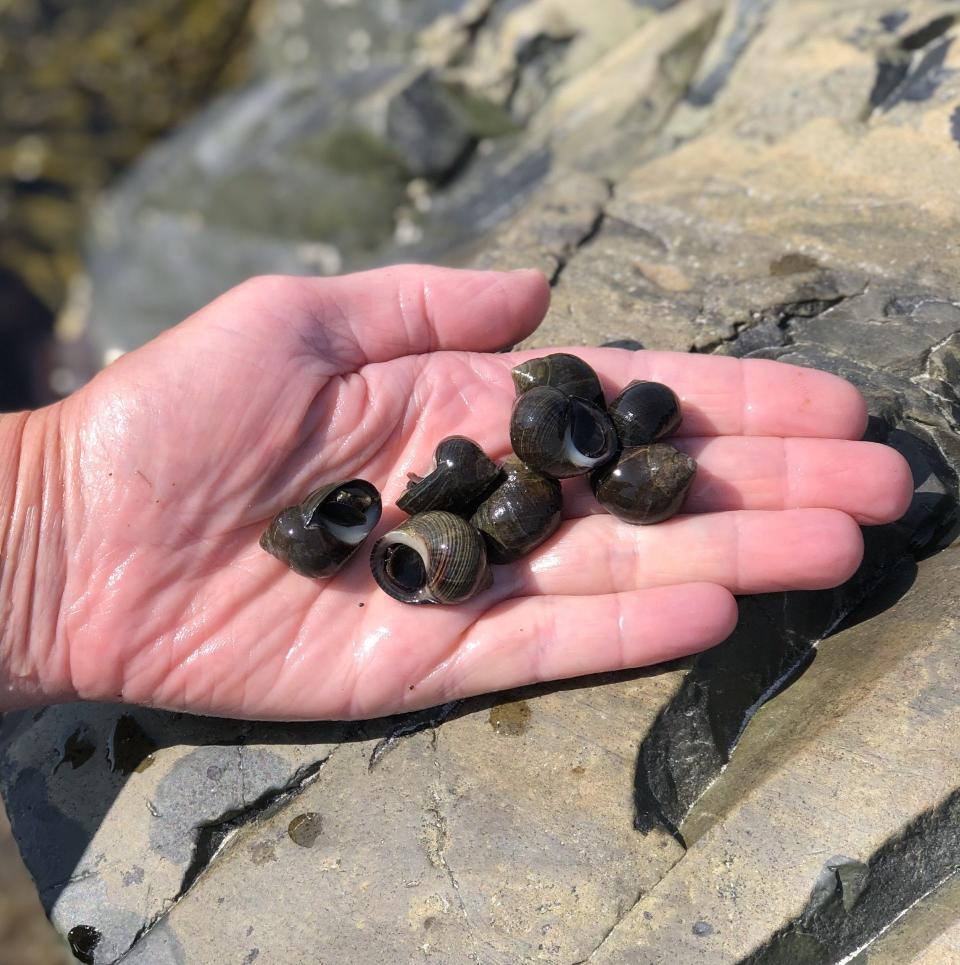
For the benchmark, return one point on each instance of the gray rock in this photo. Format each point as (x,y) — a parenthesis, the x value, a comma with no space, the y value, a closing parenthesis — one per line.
(429,128)
(214,196)
(308,171)
(927,934)
(176,790)
(821,767)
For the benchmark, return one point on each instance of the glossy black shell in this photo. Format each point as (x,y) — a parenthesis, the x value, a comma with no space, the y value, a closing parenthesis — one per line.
(316,537)
(559,435)
(522,512)
(567,373)
(645,484)
(645,412)
(434,557)
(462,476)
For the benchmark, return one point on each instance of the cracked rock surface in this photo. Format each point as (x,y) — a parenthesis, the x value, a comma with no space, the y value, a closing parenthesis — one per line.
(852,850)
(755,178)
(128,806)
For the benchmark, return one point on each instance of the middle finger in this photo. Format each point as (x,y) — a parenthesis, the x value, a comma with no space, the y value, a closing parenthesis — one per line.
(869,481)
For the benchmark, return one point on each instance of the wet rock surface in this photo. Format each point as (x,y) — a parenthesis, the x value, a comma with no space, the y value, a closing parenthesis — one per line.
(763,179)
(25,934)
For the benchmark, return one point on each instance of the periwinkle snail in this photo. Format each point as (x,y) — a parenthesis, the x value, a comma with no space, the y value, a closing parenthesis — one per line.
(469,513)
(645,412)
(317,536)
(463,475)
(560,435)
(569,374)
(644,484)
(433,557)
(522,512)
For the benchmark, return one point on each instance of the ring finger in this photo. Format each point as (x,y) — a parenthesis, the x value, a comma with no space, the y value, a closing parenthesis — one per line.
(746,552)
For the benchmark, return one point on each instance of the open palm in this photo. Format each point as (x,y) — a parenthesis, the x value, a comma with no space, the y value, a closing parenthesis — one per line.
(179,454)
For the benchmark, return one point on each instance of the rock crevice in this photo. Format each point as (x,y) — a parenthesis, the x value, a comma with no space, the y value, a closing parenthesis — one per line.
(212,838)
(858,901)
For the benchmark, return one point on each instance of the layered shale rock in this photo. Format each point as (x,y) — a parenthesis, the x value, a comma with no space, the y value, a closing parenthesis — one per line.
(755,178)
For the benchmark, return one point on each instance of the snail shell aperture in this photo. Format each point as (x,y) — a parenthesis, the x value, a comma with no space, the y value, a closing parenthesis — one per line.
(569,374)
(464,474)
(645,484)
(433,557)
(645,412)
(558,435)
(522,512)
(316,537)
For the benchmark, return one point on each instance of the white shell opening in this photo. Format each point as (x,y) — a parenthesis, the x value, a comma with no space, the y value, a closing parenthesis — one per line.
(352,535)
(420,548)
(574,456)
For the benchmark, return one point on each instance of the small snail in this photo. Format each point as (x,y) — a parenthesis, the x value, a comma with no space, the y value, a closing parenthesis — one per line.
(520,514)
(433,557)
(316,537)
(645,484)
(644,412)
(569,374)
(560,435)
(463,475)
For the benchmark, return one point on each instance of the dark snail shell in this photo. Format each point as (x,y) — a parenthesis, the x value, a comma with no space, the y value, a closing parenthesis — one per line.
(645,412)
(464,474)
(433,557)
(316,537)
(645,484)
(559,435)
(522,512)
(567,373)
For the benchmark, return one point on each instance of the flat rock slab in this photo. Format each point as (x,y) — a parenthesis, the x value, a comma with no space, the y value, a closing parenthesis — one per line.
(432,852)
(508,829)
(830,813)
(127,806)
(928,934)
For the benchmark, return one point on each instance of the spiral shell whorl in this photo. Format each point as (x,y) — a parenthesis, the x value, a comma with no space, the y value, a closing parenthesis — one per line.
(463,474)
(520,514)
(645,412)
(645,484)
(569,374)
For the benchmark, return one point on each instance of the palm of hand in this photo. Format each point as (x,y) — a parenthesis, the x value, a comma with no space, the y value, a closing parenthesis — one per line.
(184,450)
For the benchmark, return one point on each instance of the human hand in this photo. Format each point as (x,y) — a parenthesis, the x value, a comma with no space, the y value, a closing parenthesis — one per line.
(176,456)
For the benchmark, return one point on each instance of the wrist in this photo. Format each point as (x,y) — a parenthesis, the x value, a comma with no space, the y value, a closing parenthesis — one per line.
(34,657)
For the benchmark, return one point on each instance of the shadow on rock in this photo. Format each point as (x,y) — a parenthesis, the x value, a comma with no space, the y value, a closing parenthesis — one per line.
(774,642)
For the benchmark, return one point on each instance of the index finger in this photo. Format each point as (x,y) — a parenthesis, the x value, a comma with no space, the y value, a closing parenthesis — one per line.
(722,395)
